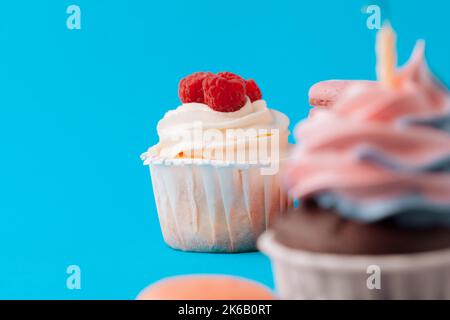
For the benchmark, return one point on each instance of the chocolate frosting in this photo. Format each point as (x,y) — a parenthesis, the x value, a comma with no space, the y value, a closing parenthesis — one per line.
(312,228)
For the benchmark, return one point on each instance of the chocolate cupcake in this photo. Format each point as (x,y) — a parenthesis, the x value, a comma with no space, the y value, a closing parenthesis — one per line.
(373,176)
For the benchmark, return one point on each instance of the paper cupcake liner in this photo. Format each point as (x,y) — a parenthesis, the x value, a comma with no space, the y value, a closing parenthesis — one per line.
(213,206)
(307,275)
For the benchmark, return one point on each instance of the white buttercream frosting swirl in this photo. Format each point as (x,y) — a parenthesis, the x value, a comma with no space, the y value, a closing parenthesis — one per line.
(179,128)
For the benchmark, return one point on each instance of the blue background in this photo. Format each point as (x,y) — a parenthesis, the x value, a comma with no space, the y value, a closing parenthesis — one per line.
(79,106)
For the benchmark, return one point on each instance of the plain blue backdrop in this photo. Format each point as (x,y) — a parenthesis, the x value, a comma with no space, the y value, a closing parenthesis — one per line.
(79,106)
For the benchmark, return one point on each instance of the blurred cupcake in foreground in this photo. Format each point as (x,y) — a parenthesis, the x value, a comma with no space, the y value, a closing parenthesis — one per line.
(215,168)
(206,287)
(372,173)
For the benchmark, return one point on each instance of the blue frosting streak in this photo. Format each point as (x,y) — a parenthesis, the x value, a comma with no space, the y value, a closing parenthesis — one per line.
(372,154)
(408,211)
(411,210)
(440,123)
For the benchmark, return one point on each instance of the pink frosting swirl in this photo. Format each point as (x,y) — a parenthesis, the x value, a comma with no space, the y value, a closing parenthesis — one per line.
(378,143)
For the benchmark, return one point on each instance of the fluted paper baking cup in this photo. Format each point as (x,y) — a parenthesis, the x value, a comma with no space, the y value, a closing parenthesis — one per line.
(308,275)
(214,206)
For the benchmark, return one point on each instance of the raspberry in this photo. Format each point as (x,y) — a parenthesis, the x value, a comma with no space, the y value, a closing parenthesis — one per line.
(253,91)
(251,88)
(231,76)
(224,95)
(190,88)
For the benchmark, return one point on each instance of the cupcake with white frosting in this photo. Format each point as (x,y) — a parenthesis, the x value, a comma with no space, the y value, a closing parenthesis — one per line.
(215,168)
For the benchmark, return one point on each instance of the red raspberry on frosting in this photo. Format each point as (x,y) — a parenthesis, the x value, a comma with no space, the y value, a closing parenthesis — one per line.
(253,91)
(251,88)
(190,88)
(222,94)
(231,76)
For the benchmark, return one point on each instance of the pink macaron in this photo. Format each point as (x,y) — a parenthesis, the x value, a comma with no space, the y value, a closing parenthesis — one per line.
(326,93)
